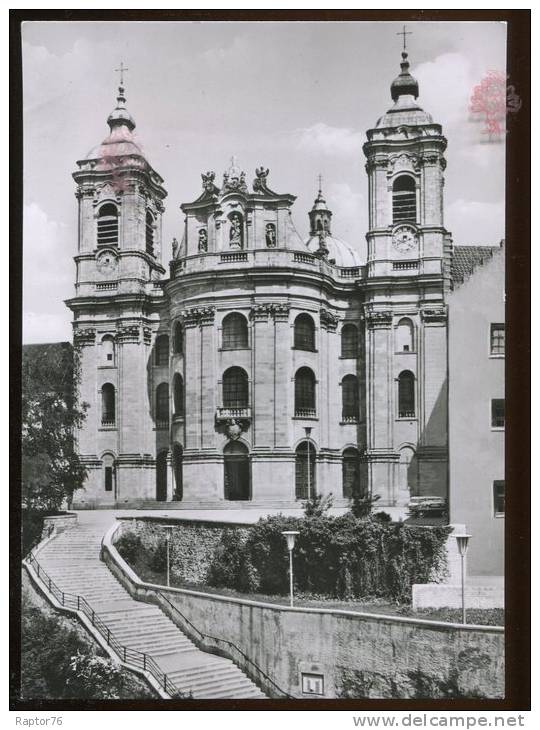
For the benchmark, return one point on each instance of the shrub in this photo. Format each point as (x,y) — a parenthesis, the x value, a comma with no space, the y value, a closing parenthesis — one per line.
(158,557)
(130,547)
(93,676)
(231,565)
(318,505)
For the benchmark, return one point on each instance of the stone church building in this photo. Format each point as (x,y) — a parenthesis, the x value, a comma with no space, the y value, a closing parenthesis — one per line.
(266,364)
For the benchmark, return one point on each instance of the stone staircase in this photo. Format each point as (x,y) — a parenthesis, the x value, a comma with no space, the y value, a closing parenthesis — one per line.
(73,563)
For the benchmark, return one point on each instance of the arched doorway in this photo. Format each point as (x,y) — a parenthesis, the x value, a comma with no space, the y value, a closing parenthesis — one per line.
(178,454)
(237,477)
(408,475)
(161,476)
(305,480)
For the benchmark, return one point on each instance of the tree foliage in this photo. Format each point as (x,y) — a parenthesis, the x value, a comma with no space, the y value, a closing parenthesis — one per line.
(51,414)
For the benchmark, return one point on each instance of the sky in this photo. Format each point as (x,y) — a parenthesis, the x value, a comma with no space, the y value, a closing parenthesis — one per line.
(295,97)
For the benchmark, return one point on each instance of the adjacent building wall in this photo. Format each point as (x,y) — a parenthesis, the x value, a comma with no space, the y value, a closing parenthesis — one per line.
(476,449)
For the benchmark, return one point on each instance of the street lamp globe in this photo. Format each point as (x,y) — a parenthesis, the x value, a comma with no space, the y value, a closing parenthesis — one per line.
(462,543)
(290,536)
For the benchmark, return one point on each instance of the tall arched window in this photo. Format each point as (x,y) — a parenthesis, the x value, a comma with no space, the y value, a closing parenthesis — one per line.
(107,349)
(404,335)
(237,479)
(107,225)
(162,405)
(178,395)
(305,482)
(404,199)
(351,473)
(304,393)
(406,400)
(304,333)
(178,338)
(235,388)
(108,472)
(234,332)
(108,405)
(162,350)
(178,456)
(149,233)
(349,341)
(350,402)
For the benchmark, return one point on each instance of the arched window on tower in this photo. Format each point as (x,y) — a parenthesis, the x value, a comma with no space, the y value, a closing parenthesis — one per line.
(162,405)
(235,332)
(304,333)
(351,473)
(404,199)
(178,338)
(107,225)
(235,388)
(107,349)
(178,395)
(108,472)
(404,335)
(108,405)
(350,402)
(349,341)
(304,393)
(162,350)
(406,399)
(149,233)
(305,471)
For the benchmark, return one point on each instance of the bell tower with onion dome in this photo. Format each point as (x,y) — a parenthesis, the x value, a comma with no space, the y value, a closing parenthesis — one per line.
(118,313)
(405,311)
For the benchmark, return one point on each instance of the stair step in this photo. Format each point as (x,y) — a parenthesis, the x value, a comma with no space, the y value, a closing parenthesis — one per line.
(72,560)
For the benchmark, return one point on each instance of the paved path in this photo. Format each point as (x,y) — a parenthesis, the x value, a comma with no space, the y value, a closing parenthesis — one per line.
(72,561)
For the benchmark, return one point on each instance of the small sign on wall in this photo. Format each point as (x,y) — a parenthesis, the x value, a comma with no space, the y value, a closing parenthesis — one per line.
(312,684)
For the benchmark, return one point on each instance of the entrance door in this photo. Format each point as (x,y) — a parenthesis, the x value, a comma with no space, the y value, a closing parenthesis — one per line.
(161,477)
(237,472)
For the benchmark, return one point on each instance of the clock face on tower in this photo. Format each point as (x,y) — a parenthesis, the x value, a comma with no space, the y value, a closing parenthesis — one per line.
(107,263)
(404,238)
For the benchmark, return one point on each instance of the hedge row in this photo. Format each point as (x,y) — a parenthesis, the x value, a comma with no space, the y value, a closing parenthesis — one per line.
(343,557)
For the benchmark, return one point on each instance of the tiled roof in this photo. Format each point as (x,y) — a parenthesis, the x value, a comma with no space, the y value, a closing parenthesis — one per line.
(465,259)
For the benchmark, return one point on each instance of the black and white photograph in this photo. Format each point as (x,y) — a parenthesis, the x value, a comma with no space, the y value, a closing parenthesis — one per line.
(263,363)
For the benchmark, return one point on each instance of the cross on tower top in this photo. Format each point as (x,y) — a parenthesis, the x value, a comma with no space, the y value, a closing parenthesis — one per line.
(121,69)
(320,183)
(404,33)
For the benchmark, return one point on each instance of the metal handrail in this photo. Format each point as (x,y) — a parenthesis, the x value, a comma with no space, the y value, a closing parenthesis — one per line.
(129,656)
(230,644)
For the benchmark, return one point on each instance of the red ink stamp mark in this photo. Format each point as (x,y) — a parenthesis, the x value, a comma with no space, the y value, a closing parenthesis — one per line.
(492,100)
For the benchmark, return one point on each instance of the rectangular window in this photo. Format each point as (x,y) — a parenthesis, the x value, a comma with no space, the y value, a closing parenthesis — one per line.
(497,339)
(498,498)
(312,684)
(108,478)
(497,413)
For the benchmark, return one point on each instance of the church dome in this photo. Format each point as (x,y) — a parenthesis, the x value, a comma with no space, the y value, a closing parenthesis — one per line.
(120,142)
(404,91)
(341,252)
(404,84)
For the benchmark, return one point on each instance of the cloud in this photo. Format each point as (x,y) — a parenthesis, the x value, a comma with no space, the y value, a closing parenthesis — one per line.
(475,223)
(446,85)
(348,212)
(48,277)
(321,138)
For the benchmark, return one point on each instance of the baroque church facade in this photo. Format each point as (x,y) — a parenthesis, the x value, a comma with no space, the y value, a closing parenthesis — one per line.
(264,366)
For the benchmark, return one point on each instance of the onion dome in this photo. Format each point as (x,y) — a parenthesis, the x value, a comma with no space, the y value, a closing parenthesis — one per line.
(120,142)
(404,83)
(406,110)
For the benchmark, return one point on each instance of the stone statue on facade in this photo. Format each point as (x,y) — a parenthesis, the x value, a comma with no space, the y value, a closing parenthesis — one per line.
(203,240)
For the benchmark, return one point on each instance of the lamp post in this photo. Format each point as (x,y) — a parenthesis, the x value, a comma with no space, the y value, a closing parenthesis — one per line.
(307,429)
(463,544)
(168,541)
(290,536)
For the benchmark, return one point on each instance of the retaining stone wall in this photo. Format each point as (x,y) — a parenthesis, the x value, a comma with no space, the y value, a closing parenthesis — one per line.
(193,543)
